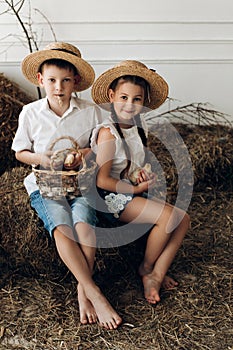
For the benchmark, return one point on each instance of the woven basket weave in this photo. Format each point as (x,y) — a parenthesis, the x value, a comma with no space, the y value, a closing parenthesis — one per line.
(57,184)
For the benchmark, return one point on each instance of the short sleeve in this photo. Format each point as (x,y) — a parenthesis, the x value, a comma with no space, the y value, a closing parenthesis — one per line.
(95,133)
(22,139)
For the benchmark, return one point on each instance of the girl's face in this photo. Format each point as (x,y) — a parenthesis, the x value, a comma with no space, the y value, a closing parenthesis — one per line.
(128,100)
(59,83)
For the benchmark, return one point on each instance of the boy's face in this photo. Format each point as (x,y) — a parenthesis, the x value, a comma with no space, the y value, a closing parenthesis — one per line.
(59,83)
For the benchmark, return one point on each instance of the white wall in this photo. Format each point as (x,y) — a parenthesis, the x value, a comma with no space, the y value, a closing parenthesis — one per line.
(190,43)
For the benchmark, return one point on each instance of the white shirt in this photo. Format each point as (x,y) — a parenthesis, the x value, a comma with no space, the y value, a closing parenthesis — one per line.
(134,142)
(38,126)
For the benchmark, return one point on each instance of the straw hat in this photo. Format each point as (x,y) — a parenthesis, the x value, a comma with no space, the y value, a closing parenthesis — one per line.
(60,50)
(158,86)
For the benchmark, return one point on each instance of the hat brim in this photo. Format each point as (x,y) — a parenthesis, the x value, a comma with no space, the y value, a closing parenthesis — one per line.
(31,64)
(158,86)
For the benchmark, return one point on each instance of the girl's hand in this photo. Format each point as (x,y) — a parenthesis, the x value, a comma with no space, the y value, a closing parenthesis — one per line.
(143,175)
(145,185)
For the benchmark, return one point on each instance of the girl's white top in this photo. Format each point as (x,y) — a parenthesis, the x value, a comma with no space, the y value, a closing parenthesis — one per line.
(134,142)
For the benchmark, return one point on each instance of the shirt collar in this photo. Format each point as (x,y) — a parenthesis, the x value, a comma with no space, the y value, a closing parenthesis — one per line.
(73,105)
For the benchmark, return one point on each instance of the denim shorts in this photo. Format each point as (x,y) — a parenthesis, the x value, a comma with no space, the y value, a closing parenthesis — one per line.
(62,212)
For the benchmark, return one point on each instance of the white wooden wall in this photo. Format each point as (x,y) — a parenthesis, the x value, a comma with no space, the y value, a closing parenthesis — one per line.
(190,43)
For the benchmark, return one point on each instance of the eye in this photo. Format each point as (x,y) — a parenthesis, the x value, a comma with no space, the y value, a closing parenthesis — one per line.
(138,99)
(66,80)
(52,80)
(123,97)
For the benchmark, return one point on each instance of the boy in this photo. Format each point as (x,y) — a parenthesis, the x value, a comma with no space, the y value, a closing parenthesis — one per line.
(60,70)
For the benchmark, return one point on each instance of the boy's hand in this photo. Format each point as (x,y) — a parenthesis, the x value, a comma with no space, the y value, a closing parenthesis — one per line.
(45,160)
(73,160)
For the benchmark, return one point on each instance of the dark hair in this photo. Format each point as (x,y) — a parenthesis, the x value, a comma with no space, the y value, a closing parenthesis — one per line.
(58,63)
(137,120)
(136,80)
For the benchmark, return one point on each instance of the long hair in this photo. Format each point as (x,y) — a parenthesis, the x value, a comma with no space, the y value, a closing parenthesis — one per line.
(137,120)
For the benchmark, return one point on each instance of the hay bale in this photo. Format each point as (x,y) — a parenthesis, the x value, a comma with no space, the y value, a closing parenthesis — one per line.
(26,247)
(12,100)
(210,150)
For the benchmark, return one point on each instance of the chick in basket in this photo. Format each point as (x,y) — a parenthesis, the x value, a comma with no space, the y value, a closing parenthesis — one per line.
(72,160)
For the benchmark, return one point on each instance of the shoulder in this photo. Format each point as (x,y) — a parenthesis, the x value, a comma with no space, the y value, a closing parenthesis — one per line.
(106,132)
(102,133)
(35,105)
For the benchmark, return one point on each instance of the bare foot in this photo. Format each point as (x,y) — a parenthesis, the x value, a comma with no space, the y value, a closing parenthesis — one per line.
(169,283)
(151,288)
(107,316)
(86,309)
(152,283)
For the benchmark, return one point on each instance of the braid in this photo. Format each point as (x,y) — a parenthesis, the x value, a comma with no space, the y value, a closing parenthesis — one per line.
(141,131)
(126,148)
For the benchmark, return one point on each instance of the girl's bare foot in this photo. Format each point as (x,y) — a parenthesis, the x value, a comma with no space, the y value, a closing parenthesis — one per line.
(151,288)
(169,283)
(107,316)
(152,283)
(86,309)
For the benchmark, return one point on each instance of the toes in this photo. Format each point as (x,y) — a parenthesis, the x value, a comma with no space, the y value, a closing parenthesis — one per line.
(112,324)
(92,318)
(83,321)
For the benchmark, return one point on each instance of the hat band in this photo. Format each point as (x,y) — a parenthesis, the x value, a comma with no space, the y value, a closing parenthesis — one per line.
(67,51)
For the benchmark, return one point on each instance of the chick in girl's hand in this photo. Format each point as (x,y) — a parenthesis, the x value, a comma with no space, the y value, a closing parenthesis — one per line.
(135,175)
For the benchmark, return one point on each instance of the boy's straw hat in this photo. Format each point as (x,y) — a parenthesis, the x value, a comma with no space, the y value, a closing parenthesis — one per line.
(59,50)
(158,86)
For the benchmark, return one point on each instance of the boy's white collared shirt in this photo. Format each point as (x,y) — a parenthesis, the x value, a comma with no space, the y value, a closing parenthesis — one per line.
(38,126)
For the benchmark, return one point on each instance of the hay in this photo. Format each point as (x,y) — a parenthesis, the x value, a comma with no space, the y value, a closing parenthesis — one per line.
(12,100)
(38,295)
(210,150)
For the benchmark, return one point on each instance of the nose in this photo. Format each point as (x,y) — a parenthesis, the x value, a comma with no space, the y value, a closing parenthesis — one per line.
(58,85)
(130,103)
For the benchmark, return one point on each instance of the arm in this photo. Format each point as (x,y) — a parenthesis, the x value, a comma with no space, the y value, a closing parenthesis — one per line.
(30,158)
(104,159)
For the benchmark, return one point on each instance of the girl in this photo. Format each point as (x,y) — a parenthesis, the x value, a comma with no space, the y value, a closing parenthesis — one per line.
(119,145)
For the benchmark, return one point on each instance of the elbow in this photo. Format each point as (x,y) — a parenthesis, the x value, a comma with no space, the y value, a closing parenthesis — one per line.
(17,155)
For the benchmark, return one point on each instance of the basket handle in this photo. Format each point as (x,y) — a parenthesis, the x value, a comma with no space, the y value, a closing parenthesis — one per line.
(75,147)
(73,141)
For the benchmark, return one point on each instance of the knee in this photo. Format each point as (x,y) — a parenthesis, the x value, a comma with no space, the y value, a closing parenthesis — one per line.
(186,219)
(177,218)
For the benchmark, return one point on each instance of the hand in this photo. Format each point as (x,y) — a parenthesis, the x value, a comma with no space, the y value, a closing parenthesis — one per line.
(144,175)
(73,160)
(145,185)
(45,160)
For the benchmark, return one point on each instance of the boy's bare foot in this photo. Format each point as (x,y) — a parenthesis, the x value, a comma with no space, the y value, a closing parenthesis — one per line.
(86,309)
(169,283)
(107,316)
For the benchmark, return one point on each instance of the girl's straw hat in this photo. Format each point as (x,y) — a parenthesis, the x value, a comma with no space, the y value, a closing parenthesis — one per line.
(158,86)
(59,50)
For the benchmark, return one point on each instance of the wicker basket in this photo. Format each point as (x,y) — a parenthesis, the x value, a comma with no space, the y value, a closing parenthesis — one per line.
(57,184)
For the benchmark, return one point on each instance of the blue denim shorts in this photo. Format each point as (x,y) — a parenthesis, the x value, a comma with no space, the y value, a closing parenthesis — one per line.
(62,212)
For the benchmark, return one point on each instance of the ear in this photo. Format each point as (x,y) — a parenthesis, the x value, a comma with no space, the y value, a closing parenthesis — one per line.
(40,79)
(111,95)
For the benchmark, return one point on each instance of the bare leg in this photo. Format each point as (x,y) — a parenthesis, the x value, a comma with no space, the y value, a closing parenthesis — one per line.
(73,257)
(87,242)
(161,246)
